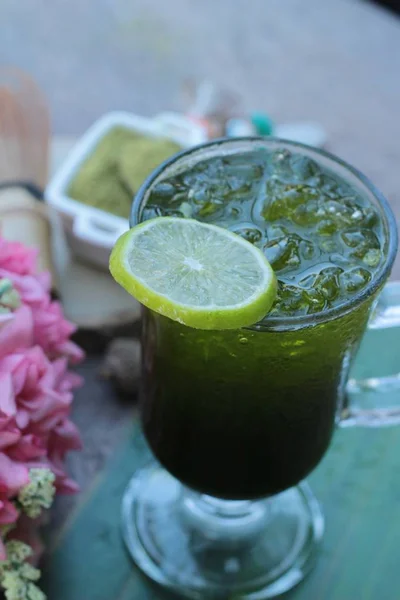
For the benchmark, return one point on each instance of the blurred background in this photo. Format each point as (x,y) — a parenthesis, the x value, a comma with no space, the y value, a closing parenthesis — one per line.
(336,63)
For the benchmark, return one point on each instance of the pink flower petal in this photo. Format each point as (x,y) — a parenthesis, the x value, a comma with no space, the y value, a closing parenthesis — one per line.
(74,353)
(29,288)
(18,333)
(9,436)
(5,318)
(29,447)
(67,486)
(22,418)
(12,474)
(44,279)
(7,399)
(18,258)
(65,436)
(8,512)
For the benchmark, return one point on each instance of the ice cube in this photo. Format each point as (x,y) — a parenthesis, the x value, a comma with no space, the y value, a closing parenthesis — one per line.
(198,194)
(209,208)
(316,301)
(251,234)
(290,300)
(151,212)
(307,249)
(326,227)
(164,189)
(305,169)
(355,279)
(372,257)
(328,283)
(307,214)
(328,245)
(280,163)
(360,237)
(277,231)
(274,209)
(284,252)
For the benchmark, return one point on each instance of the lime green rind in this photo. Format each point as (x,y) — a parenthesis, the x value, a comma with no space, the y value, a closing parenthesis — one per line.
(230,317)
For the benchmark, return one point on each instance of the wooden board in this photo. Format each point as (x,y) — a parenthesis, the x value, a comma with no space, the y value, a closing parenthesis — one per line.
(358,483)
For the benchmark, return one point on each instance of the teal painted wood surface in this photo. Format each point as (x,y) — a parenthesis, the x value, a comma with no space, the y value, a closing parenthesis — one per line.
(358,483)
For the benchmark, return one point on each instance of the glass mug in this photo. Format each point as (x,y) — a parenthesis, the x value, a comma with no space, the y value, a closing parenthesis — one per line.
(238,418)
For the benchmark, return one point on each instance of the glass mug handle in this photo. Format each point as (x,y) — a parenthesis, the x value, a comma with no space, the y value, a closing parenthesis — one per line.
(385,316)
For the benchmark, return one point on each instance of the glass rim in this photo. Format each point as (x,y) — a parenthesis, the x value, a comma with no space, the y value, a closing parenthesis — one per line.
(299,321)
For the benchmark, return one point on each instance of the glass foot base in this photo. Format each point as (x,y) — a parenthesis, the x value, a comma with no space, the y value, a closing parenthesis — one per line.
(202,547)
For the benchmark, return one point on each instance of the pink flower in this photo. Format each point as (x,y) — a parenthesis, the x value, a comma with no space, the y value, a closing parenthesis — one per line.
(13,476)
(5,319)
(8,512)
(63,438)
(9,432)
(50,329)
(37,392)
(33,290)
(32,380)
(52,332)
(17,258)
(16,331)
(27,448)
(36,388)
(36,396)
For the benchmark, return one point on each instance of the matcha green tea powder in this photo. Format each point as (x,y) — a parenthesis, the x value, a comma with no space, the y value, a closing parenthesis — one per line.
(112,174)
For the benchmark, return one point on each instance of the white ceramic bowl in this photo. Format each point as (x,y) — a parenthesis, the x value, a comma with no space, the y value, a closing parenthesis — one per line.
(91,232)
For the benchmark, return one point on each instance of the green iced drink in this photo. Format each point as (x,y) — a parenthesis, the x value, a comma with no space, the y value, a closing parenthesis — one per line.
(246,413)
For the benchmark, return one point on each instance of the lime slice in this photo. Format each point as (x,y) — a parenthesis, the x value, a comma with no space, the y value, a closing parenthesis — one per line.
(198,274)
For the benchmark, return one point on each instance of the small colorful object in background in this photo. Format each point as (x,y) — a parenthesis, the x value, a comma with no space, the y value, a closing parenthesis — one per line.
(36,392)
(218,112)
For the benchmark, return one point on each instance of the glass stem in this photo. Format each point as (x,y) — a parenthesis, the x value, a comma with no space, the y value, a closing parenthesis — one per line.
(224,521)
